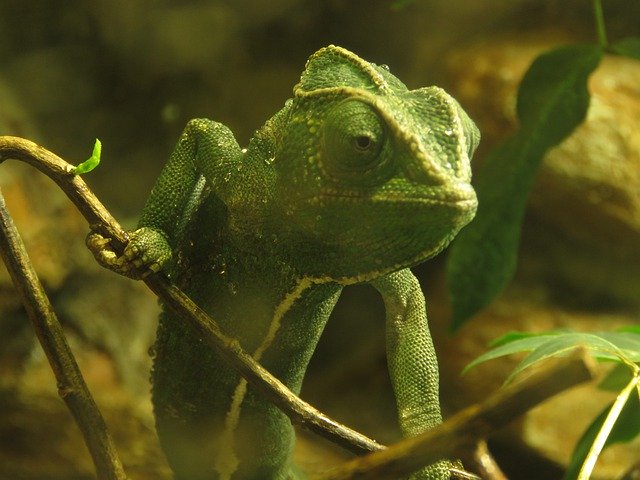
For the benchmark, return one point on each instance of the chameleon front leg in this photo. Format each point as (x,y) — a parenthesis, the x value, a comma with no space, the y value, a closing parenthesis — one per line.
(412,361)
(204,152)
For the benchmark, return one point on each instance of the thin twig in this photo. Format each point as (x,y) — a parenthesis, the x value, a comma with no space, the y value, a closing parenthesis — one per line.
(71,385)
(479,459)
(468,426)
(101,221)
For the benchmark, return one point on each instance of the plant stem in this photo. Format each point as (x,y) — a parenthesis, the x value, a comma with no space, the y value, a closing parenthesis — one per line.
(71,386)
(607,426)
(600,26)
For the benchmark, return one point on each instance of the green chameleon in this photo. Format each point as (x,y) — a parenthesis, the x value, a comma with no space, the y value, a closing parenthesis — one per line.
(356,179)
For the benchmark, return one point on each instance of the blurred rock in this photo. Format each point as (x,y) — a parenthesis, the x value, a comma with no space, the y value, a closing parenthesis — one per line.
(589,189)
(21,186)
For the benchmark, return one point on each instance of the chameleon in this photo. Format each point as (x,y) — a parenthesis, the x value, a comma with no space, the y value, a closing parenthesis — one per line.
(356,179)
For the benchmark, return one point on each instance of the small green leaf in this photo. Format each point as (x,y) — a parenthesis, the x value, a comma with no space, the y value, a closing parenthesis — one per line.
(629,47)
(92,162)
(627,428)
(552,100)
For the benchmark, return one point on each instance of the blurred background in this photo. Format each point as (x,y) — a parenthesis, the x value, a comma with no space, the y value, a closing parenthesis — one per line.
(132,73)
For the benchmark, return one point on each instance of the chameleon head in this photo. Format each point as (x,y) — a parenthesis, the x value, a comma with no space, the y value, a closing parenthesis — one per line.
(372,177)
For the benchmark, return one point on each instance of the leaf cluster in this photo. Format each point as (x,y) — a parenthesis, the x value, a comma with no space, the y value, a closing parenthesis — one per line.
(553,99)
(619,422)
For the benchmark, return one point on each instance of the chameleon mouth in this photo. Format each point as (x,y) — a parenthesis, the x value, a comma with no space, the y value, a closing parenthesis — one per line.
(460,196)
(355,235)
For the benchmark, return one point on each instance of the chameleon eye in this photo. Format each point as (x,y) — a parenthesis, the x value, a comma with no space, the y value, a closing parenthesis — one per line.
(354,139)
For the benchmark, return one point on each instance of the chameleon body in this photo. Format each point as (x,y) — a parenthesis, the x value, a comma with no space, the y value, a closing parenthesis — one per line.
(356,179)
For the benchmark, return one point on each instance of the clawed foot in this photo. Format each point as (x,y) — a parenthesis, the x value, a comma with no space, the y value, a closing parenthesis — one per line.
(147,252)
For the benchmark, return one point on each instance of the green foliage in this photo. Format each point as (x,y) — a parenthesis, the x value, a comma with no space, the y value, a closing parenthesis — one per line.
(625,430)
(620,421)
(92,162)
(616,379)
(620,346)
(552,100)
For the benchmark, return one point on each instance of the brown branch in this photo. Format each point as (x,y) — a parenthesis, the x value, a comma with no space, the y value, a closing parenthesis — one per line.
(468,426)
(71,385)
(479,459)
(102,222)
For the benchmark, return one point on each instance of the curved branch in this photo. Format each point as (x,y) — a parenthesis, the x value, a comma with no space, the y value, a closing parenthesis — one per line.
(71,386)
(101,221)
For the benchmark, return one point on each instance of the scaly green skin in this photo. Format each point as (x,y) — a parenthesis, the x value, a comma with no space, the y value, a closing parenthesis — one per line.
(354,180)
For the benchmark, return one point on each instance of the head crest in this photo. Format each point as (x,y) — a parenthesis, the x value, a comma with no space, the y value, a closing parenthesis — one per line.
(334,68)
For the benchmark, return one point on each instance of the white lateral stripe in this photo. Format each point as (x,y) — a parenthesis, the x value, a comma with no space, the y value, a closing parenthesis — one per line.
(280,311)
(226,460)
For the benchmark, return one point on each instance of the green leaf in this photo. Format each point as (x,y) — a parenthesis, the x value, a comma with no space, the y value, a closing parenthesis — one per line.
(552,100)
(91,163)
(519,345)
(626,429)
(616,378)
(629,47)
(514,335)
(614,346)
(598,346)
(628,342)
